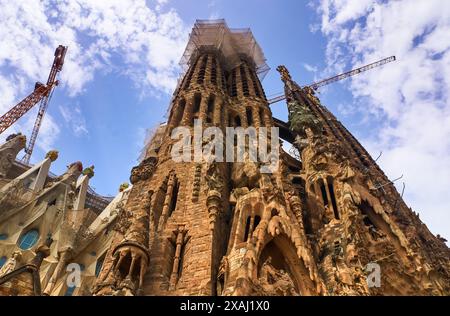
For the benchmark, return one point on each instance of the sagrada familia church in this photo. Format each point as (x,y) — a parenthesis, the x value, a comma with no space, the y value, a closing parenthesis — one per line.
(328,222)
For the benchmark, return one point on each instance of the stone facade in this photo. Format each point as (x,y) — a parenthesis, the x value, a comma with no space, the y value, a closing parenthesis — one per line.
(317,225)
(34,205)
(311,228)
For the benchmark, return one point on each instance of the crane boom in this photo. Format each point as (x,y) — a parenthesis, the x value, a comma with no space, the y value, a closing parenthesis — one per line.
(60,54)
(42,93)
(7,119)
(342,76)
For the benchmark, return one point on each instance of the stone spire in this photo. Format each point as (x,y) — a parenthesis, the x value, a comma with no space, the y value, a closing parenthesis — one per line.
(356,216)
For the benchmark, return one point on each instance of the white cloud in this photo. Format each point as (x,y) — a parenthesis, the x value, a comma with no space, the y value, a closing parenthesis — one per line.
(74,118)
(409,99)
(310,68)
(126,36)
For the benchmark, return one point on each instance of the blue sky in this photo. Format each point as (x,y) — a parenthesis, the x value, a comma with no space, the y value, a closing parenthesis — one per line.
(122,66)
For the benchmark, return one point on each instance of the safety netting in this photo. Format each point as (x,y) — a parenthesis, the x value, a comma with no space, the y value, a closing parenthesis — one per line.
(233,44)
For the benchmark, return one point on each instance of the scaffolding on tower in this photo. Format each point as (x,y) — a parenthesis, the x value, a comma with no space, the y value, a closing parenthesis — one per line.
(232,44)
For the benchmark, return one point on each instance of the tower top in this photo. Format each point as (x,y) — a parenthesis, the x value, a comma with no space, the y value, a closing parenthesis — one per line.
(233,44)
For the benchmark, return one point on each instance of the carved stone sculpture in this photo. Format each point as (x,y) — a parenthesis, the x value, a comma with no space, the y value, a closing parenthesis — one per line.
(11,263)
(9,150)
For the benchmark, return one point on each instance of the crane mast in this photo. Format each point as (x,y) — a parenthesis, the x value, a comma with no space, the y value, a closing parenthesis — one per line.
(342,76)
(42,93)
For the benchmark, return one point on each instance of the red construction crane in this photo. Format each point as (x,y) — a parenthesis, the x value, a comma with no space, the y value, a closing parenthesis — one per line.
(344,75)
(42,93)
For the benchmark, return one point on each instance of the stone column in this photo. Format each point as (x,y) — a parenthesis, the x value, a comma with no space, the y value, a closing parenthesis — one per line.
(217,112)
(251,87)
(214,205)
(187,114)
(267,118)
(255,114)
(176,260)
(167,201)
(64,257)
(82,185)
(203,112)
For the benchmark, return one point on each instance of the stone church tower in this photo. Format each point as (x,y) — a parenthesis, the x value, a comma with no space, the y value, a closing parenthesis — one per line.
(319,225)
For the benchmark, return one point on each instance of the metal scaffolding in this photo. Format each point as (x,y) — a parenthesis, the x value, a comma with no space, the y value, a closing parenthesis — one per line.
(233,44)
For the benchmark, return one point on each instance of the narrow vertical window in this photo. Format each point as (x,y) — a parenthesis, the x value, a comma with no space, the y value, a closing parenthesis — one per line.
(210,109)
(202,71)
(237,121)
(233,83)
(255,83)
(244,81)
(173,202)
(324,192)
(261,116)
(190,74)
(99,265)
(247,228)
(248,112)
(196,107)
(180,263)
(332,197)
(214,71)
(224,81)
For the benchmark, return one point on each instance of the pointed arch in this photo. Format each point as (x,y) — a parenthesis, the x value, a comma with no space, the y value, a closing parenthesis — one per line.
(285,260)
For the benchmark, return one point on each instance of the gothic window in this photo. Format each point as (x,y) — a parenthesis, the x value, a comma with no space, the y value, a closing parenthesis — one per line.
(372,221)
(248,112)
(180,263)
(244,81)
(233,83)
(333,198)
(210,109)
(255,83)
(202,71)
(29,239)
(99,265)
(247,228)
(3,261)
(261,116)
(276,269)
(196,109)
(224,81)
(190,74)
(3,236)
(323,190)
(250,227)
(197,100)
(237,121)
(214,71)
(257,220)
(173,202)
